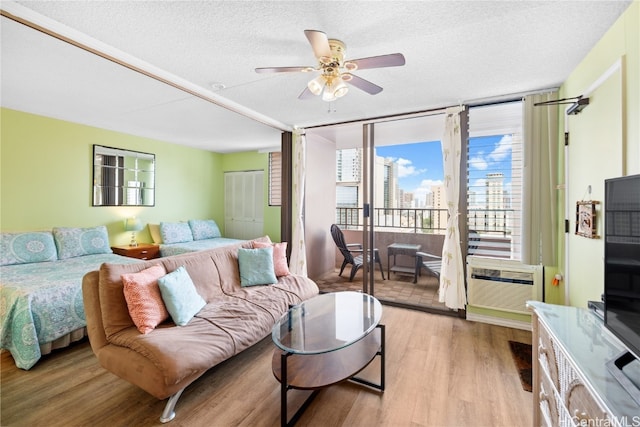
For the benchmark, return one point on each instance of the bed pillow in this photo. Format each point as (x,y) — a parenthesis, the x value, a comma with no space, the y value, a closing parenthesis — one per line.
(175,232)
(180,296)
(24,248)
(144,301)
(154,231)
(256,266)
(74,242)
(280,266)
(204,229)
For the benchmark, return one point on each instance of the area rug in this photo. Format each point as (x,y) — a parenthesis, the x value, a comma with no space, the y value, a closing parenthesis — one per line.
(521,353)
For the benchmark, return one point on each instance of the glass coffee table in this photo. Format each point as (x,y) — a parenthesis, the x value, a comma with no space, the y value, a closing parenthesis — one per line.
(325,340)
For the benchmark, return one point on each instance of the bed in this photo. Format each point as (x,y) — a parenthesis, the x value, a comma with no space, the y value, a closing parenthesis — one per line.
(177,238)
(41,288)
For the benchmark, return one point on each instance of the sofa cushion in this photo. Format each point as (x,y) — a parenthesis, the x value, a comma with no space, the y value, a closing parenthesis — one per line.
(28,247)
(256,266)
(204,229)
(144,301)
(180,296)
(280,264)
(74,242)
(175,232)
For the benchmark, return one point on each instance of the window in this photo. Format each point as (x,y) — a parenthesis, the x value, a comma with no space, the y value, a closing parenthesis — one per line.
(275,179)
(494,180)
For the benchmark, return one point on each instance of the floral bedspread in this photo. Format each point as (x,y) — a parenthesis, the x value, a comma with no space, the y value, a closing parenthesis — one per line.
(196,245)
(41,302)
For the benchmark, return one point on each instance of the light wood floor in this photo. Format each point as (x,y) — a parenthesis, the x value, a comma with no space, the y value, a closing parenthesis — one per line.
(441,371)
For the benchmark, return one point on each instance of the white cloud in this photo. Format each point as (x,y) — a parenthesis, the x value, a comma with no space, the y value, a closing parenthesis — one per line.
(478,162)
(406,168)
(502,150)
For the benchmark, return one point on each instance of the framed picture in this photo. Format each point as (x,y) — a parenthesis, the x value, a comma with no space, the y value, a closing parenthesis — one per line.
(586,224)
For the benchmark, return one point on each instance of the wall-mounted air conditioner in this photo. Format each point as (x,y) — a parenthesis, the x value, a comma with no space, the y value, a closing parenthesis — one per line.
(502,285)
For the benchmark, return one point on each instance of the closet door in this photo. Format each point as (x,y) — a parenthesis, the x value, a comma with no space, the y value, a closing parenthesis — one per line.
(244,204)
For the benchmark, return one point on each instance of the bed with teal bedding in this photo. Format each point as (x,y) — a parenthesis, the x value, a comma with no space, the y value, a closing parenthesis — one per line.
(41,286)
(195,235)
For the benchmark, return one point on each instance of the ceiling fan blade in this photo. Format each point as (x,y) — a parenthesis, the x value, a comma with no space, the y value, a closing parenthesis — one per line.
(363,84)
(306,94)
(320,44)
(264,70)
(391,60)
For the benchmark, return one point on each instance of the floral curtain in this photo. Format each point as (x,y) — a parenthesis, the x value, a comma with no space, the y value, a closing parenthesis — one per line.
(452,291)
(298,260)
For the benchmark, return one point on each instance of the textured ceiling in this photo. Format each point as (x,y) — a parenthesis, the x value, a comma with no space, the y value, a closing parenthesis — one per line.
(456,52)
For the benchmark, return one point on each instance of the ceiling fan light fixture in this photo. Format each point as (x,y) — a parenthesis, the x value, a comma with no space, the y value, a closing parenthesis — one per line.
(335,88)
(316,85)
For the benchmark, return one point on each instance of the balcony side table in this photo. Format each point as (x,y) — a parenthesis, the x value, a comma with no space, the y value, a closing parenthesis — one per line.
(406,249)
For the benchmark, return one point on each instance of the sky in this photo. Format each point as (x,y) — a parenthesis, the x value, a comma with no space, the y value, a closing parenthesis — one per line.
(420,164)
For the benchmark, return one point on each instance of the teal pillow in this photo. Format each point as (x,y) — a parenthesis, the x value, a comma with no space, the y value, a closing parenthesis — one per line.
(74,242)
(175,232)
(204,229)
(256,266)
(180,296)
(24,248)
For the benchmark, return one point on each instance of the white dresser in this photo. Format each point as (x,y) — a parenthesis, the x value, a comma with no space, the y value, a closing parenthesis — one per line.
(571,384)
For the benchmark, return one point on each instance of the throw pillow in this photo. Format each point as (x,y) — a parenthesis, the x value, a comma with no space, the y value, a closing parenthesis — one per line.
(74,242)
(175,232)
(143,297)
(204,229)
(279,256)
(180,295)
(256,266)
(24,248)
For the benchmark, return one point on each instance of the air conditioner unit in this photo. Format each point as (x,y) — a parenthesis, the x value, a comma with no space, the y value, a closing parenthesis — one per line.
(503,285)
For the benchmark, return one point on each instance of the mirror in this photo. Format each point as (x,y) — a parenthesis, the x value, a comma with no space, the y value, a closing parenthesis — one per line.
(123,177)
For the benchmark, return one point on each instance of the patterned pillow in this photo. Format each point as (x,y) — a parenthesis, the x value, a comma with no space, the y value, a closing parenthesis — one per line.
(180,295)
(24,248)
(204,229)
(279,256)
(256,266)
(75,242)
(175,232)
(143,297)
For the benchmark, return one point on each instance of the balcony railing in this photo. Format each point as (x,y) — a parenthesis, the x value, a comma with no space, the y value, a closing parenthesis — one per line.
(427,220)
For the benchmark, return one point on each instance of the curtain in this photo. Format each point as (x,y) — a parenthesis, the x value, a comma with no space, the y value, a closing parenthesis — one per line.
(298,261)
(539,213)
(452,291)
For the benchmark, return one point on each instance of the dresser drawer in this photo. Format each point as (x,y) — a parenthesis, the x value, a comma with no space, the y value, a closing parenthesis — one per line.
(547,355)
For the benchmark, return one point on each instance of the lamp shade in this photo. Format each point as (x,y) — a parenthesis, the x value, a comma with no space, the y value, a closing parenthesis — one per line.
(132,224)
(316,85)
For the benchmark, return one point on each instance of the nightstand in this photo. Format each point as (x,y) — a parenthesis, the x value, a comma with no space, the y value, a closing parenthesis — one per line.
(142,251)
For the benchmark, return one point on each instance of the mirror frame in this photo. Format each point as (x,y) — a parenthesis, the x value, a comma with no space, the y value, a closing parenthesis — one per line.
(125,174)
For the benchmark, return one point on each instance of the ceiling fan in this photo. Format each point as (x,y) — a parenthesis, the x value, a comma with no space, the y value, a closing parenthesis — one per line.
(335,72)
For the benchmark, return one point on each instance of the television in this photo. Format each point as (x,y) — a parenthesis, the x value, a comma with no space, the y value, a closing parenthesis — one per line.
(622,273)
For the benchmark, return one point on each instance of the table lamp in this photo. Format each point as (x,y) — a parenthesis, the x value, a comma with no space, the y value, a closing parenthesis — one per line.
(133,224)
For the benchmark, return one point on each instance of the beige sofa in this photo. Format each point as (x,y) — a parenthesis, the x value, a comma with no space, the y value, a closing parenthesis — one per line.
(166,360)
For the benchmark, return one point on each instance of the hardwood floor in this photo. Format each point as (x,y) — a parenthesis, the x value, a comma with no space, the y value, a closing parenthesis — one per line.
(440,371)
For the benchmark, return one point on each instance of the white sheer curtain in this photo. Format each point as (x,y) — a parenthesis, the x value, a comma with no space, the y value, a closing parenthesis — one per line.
(452,291)
(298,260)
(539,216)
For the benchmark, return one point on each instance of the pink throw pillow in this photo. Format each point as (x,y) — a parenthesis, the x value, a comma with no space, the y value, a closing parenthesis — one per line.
(279,256)
(144,300)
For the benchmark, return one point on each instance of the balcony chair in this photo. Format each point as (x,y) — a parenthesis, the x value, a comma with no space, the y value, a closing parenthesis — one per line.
(350,253)
(433,263)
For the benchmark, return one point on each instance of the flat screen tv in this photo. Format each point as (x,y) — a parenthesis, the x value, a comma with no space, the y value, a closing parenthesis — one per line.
(622,272)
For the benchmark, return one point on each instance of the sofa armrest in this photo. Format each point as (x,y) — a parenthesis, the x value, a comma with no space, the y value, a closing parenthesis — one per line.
(93,313)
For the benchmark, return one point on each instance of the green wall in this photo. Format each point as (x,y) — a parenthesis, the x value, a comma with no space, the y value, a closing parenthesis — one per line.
(604,143)
(46,174)
(250,161)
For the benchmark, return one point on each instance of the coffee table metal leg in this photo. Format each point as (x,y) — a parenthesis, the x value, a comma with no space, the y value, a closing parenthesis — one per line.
(382,363)
(284,388)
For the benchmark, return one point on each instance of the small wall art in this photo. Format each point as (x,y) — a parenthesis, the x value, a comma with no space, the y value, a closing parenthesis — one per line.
(586,224)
